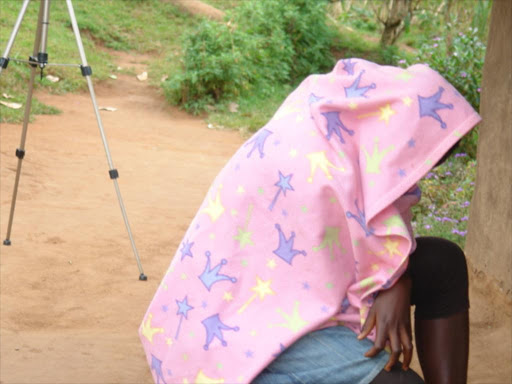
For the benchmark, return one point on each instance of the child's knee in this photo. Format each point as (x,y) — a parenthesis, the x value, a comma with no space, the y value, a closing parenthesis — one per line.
(439,257)
(440,278)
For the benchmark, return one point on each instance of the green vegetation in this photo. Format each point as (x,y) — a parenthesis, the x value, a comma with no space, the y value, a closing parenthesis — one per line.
(225,62)
(258,54)
(261,47)
(446,196)
(237,72)
(431,18)
(115,24)
(253,113)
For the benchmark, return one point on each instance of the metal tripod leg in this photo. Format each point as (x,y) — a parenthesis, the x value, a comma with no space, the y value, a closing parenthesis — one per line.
(20,152)
(86,72)
(4,60)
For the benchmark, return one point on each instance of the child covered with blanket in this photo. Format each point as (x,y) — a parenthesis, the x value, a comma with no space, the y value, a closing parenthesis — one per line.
(301,265)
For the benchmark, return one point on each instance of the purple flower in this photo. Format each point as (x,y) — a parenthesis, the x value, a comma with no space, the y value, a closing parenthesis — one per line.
(463,74)
(427,226)
(448,173)
(429,175)
(465,218)
(461,34)
(402,61)
(437,38)
(459,189)
(472,183)
(460,233)
(449,219)
(479,90)
(435,45)
(431,207)
(430,215)
(462,154)
(437,218)
(465,204)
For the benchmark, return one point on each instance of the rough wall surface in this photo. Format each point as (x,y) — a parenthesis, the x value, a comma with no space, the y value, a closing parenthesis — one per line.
(489,243)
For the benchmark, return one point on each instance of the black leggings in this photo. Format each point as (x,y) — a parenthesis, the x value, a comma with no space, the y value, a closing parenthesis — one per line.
(439,277)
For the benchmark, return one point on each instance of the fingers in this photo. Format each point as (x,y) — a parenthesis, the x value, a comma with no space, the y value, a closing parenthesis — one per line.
(368,325)
(405,339)
(396,350)
(380,343)
(373,351)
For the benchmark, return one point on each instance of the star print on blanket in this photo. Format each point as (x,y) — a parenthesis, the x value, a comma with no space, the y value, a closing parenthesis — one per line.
(305,223)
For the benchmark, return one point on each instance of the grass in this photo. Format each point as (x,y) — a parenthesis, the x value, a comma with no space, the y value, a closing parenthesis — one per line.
(253,112)
(446,195)
(8,115)
(107,24)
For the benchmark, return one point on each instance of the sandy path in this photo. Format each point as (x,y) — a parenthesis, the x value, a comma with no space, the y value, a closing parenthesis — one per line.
(196,7)
(70,299)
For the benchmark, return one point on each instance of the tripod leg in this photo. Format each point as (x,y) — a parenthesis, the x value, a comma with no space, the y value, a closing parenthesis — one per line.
(20,152)
(86,72)
(4,60)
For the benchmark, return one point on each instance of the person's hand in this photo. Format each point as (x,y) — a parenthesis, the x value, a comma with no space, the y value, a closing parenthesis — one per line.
(390,314)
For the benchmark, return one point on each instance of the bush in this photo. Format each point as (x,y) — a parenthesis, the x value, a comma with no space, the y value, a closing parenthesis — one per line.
(264,44)
(212,67)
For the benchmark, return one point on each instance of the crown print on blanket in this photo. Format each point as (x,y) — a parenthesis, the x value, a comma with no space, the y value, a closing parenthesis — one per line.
(430,105)
(211,275)
(334,124)
(354,90)
(285,249)
(214,328)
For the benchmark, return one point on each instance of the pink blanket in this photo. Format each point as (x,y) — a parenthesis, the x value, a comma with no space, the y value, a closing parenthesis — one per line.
(305,223)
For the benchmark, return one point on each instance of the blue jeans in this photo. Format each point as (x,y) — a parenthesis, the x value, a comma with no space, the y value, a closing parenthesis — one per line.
(328,356)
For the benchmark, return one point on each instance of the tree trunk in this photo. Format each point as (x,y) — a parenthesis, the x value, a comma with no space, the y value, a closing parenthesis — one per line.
(335,8)
(489,243)
(393,21)
(387,35)
(447,21)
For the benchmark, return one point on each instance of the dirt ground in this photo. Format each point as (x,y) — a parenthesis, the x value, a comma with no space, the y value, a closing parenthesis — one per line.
(198,8)
(70,298)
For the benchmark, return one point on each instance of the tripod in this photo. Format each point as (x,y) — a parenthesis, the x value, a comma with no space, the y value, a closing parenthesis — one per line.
(40,60)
